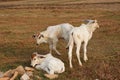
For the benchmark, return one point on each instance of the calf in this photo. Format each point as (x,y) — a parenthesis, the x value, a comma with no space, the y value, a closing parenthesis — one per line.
(47,63)
(53,34)
(79,35)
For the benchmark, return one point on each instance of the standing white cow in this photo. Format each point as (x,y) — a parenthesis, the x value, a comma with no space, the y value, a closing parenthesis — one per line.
(47,62)
(52,35)
(79,35)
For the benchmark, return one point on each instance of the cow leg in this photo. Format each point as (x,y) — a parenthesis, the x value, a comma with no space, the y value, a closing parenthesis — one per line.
(85,51)
(54,46)
(70,54)
(49,71)
(78,53)
(78,42)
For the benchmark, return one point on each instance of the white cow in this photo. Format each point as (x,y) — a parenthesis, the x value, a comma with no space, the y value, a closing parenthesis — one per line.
(53,34)
(79,35)
(47,63)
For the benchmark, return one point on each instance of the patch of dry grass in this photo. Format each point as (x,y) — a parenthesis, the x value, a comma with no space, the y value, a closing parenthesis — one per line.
(18,25)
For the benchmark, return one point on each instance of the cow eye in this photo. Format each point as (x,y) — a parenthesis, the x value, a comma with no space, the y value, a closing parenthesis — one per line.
(39,37)
(41,57)
(42,36)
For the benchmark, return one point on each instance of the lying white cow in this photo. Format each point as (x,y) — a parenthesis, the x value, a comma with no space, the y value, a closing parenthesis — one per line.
(52,35)
(79,35)
(47,63)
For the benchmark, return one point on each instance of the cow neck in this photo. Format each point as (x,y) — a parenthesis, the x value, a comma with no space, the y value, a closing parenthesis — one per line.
(45,36)
(90,28)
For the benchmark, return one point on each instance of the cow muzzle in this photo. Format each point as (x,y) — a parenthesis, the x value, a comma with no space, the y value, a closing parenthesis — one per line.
(35,65)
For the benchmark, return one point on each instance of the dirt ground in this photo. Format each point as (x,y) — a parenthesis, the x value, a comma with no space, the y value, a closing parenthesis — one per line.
(20,19)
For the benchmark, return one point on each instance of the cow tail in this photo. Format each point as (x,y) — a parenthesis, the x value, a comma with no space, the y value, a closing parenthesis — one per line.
(70,40)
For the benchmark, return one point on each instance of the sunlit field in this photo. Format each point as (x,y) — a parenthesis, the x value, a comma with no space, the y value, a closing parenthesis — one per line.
(20,19)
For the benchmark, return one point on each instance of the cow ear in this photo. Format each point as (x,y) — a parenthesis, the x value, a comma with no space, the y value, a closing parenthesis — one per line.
(34,35)
(42,35)
(93,21)
(86,21)
(33,55)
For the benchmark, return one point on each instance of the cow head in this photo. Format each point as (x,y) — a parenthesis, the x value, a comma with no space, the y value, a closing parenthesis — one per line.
(92,23)
(36,59)
(40,38)
(95,24)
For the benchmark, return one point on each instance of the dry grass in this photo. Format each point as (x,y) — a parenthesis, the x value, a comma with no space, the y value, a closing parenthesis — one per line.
(19,23)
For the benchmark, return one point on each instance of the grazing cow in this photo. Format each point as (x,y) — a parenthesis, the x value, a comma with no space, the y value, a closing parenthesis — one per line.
(47,63)
(79,35)
(53,34)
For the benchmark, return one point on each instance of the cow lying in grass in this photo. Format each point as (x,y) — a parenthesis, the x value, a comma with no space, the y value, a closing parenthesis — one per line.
(79,35)
(47,63)
(53,34)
